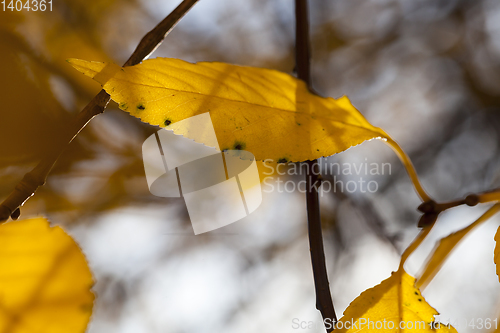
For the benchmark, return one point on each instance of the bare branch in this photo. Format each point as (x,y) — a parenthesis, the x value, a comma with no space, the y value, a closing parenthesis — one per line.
(324,301)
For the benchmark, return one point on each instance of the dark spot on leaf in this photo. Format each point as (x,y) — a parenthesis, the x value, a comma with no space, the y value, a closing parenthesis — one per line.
(86,307)
(239,145)
(420,300)
(283,160)
(416,293)
(317,149)
(299,124)
(167,122)
(123,106)
(140,106)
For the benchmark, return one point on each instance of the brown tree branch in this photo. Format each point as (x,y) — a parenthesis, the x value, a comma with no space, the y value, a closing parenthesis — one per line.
(37,177)
(324,301)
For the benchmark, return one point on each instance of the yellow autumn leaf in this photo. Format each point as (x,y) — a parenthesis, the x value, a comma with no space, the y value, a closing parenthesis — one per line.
(44,280)
(269,113)
(395,305)
(447,244)
(496,257)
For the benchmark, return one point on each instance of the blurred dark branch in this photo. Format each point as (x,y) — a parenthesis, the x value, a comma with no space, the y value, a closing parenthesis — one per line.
(430,147)
(370,215)
(37,177)
(324,301)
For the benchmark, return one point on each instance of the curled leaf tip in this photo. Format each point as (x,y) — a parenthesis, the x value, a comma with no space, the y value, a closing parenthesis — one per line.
(92,68)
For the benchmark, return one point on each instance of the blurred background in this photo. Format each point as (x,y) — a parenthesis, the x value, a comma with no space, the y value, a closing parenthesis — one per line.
(426,71)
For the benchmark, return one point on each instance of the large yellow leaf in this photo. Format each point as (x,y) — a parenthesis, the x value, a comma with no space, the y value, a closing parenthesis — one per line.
(266,112)
(44,280)
(395,305)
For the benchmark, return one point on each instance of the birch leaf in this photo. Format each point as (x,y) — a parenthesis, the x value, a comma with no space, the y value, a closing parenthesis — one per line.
(269,113)
(382,308)
(395,305)
(44,280)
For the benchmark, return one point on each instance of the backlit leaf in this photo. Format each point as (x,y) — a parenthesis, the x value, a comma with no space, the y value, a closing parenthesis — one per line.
(266,112)
(393,304)
(44,280)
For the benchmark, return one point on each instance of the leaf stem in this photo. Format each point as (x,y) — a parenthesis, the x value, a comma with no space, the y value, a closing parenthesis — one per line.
(493,195)
(416,243)
(410,169)
(324,301)
(37,177)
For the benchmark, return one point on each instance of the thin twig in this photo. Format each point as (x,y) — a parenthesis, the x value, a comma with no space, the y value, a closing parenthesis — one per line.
(432,209)
(37,177)
(324,301)
(445,246)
